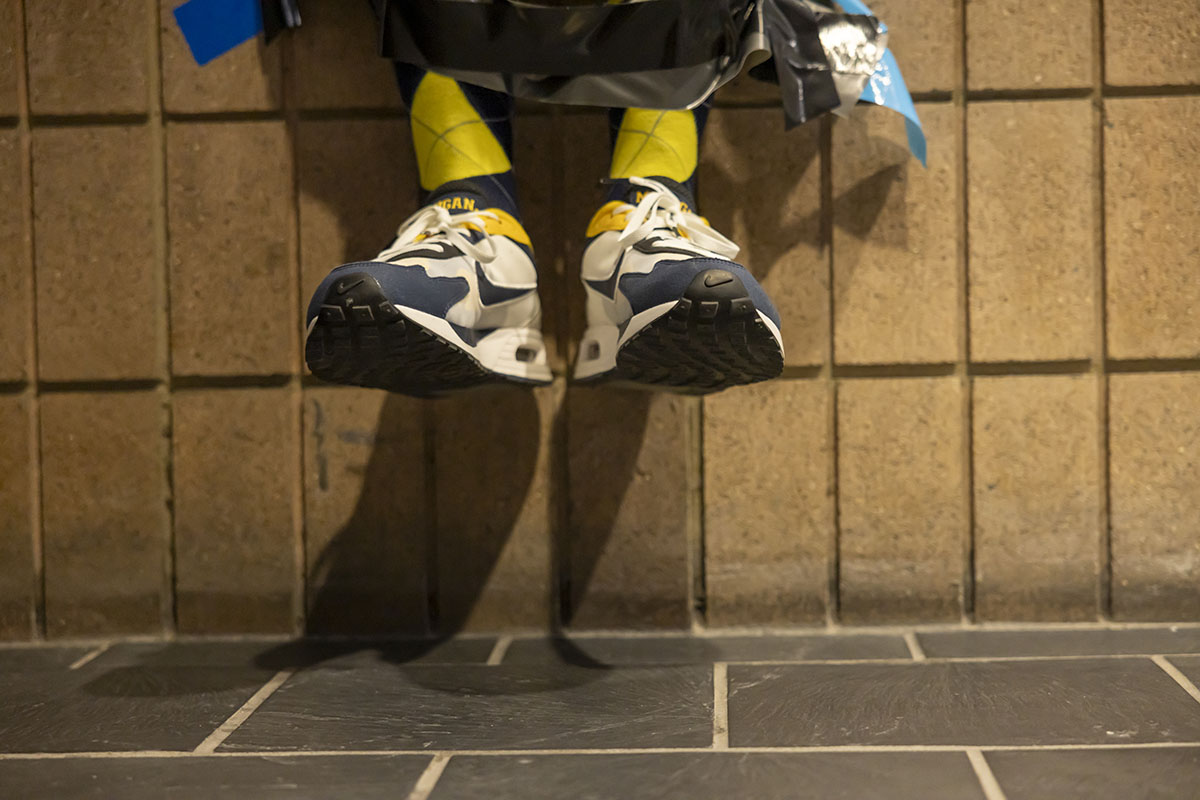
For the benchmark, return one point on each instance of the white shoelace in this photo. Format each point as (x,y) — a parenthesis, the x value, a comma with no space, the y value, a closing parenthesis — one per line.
(661,208)
(435,221)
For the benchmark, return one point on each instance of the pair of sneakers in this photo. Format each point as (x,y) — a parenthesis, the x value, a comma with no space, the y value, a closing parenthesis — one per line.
(452,303)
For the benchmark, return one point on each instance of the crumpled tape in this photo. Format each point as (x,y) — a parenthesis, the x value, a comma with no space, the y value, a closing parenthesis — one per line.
(886,88)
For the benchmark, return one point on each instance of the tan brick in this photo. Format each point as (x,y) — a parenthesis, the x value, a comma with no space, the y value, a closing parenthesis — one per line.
(247,78)
(89,60)
(1031,184)
(768,504)
(630,499)
(1037,497)
(1151,148)
(17,579)
(14,263)
(104,512)
(10,67)
(1155,518)
(895,239)
(902,504)
(97,277)
(1026,44)
(925,36)
(357,184)
(1151,44)
(337,59)
(776,221)
(366,512)
(231,233)
(235,470)
(496,511)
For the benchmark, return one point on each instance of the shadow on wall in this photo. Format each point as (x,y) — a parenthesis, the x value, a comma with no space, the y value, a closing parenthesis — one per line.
(447,485)
(477,463)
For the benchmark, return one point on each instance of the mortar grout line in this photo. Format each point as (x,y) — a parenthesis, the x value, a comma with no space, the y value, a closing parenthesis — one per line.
(560,573)
(235,720)
(987,779)
(963,366)
(496,657)
(178,383)
(697,589)
(914,646)
(827,376)
(89,656)
(1177,676)
(382,113)
(720,706)
(294,380)
(815,631)
(603,751)
(161,225)
(37,512)
(429,437)
(1100,294)
(429,778)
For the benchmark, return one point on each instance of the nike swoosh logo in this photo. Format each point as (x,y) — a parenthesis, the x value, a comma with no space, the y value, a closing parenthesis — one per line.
(444,251)
(608,286)
(650,246)
(490,294)
(717,280)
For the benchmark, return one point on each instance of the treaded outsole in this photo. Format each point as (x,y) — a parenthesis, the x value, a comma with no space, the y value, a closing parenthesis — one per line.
(360,338)
(711,340)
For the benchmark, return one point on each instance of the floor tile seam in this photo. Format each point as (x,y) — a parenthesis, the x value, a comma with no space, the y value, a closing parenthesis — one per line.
(430,777)
(985,776)
(720,718)
(499,650)
(1177,675)
(238,717)
(914,646)
(898,661)
(89,656)
(598,751)
(678,664)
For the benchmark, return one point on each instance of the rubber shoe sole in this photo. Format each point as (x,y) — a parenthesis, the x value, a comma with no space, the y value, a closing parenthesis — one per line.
(360,338)
(712,338)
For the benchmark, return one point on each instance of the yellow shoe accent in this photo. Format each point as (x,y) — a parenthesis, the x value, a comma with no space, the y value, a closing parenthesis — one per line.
(610,217)
(451,140)
(656,143)
(505,224)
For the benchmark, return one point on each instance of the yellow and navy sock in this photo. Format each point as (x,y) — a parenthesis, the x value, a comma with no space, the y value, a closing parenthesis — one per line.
(659,144)
(463,140)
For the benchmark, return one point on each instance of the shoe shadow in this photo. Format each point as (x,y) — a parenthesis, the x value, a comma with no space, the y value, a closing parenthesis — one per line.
(490,510)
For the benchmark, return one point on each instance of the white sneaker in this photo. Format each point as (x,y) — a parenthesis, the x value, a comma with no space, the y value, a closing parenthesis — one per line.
(451,303)
(666,306)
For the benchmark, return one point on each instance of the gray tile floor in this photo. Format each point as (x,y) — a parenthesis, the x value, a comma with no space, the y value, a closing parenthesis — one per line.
(1083,711)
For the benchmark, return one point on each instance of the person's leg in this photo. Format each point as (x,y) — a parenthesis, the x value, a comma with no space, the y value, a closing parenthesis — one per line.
(452,302)
(660,144)
(667,306)
(462,136)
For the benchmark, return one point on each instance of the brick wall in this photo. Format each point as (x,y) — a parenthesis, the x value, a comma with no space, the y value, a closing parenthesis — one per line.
(991,407)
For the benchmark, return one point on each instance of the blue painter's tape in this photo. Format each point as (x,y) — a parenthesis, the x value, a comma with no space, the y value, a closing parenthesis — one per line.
(886,88)
(214,27)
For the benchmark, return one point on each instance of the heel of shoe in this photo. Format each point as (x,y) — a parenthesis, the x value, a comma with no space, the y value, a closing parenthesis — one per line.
(516,353)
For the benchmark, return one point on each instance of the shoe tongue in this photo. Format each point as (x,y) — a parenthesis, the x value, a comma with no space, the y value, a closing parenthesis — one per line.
(458,197)
(631,193)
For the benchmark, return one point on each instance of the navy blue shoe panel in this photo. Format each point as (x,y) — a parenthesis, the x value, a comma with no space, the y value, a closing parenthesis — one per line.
(669,279)
(404,285)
